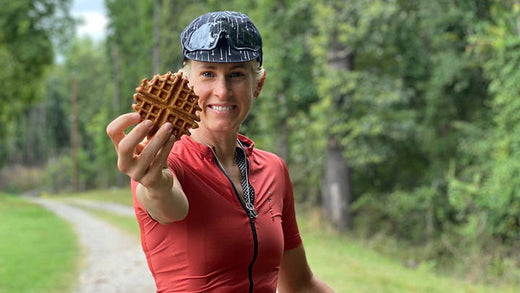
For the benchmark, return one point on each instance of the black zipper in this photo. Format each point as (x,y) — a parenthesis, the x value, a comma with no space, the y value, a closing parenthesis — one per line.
(255,253)
(251,214)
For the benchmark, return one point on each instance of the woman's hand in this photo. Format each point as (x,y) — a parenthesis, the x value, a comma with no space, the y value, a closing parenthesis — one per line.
(146,161)
(142,160)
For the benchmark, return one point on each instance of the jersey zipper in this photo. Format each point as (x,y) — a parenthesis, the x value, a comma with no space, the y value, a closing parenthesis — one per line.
(251,214)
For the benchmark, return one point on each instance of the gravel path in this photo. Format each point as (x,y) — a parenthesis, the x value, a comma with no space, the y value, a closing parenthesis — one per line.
(113,262)
(114,208)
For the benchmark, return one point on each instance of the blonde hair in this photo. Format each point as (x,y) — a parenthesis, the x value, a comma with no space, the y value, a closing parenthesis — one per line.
(256,69)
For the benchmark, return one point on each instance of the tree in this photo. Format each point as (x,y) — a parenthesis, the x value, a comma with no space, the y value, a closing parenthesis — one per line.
(285,28)
(490,193)
(26,51)
(364,99)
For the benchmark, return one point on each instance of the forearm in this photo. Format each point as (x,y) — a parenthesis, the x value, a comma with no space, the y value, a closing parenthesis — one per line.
(165,203)
(318,286)
(295,275)
(313,285)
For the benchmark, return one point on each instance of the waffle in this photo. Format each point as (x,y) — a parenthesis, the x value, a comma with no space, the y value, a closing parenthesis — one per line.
(167,98)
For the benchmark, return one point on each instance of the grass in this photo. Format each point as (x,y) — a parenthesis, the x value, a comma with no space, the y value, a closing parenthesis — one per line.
(347,265)
(38,250)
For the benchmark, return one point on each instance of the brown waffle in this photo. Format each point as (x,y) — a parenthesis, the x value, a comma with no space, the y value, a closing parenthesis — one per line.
(168,98)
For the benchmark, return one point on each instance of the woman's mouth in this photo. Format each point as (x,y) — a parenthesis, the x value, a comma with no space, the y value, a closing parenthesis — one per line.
(221,108)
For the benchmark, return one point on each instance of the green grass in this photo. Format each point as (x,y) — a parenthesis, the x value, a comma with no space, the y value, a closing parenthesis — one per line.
(38,250)
(345,264)
(348,266)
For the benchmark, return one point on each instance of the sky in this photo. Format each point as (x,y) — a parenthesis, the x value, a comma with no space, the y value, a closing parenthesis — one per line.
(93,16)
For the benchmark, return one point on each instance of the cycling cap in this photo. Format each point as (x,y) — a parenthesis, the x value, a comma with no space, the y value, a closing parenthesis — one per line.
(223,36)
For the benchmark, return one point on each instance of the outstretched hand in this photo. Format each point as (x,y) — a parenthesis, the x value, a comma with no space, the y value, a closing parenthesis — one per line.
(141,159)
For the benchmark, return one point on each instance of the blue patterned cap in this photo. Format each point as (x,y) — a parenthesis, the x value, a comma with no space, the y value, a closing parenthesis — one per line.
(223,36)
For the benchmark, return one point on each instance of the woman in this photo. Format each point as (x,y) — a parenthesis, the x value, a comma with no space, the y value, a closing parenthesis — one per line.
(215,213)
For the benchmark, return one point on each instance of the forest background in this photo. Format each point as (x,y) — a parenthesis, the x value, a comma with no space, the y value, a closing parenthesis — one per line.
(400,119)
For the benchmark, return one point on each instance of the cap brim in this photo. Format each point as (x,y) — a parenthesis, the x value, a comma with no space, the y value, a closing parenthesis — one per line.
(223,55)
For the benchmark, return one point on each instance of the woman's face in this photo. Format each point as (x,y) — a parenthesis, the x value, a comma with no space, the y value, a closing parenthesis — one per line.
(226,92)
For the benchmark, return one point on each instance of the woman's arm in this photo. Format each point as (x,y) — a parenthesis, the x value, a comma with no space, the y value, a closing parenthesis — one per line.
(295,275)
(145,162)
(167,205)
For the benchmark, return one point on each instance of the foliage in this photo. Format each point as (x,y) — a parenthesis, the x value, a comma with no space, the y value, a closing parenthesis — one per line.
(426,110)
(497,46)
(26,51)
(422,119)
(345,263)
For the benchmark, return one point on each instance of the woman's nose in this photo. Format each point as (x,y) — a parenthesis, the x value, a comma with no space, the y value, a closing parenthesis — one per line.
(222,88)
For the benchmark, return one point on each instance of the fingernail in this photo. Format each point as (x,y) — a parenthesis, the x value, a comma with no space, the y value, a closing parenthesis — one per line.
(148,123)
(168,126)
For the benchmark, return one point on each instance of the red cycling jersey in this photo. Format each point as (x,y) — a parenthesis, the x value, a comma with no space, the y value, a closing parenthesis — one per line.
(218,247)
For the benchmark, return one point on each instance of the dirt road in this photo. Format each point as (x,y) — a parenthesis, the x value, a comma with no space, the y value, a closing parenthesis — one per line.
(113,261)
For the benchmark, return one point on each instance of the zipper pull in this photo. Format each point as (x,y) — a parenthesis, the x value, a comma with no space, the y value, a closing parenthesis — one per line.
(251,210)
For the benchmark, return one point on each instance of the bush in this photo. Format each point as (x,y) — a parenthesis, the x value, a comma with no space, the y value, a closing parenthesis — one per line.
(21,179)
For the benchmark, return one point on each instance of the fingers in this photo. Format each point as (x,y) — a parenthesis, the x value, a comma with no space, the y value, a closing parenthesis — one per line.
(152,158)
(136,159)
(127,147)
(162,157)
(116,129)
(134,137)
(155,147)
(159,163)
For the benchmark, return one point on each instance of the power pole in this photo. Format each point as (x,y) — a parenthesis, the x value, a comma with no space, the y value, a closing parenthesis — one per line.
(74,136)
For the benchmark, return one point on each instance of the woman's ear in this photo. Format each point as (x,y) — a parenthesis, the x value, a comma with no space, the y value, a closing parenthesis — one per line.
(260,85)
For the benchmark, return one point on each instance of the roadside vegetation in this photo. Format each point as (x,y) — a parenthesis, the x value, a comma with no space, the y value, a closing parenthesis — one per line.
(38,250)
(344,261)
(408,110)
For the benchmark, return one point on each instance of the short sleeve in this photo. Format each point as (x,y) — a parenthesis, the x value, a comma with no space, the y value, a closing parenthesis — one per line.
(291,233)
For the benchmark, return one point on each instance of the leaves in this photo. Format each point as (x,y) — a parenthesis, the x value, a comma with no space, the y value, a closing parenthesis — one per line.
(421,95)
(26,52)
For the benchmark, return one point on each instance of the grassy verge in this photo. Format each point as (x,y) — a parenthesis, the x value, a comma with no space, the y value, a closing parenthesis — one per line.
(346,264)
(38,251)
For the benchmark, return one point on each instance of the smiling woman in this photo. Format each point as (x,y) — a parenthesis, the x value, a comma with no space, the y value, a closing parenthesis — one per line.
(215,213)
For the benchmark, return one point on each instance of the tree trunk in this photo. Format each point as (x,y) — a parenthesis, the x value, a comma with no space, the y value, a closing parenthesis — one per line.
(282,139)
(336,194)
(121,179)
(30,141)
(156,37)
(336,188)
(117,78)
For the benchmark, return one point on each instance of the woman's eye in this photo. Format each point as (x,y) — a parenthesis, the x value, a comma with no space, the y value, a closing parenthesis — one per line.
(236,74)
(207,74)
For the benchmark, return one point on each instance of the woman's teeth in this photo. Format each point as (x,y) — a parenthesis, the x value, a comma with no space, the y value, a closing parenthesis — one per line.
(221,108)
